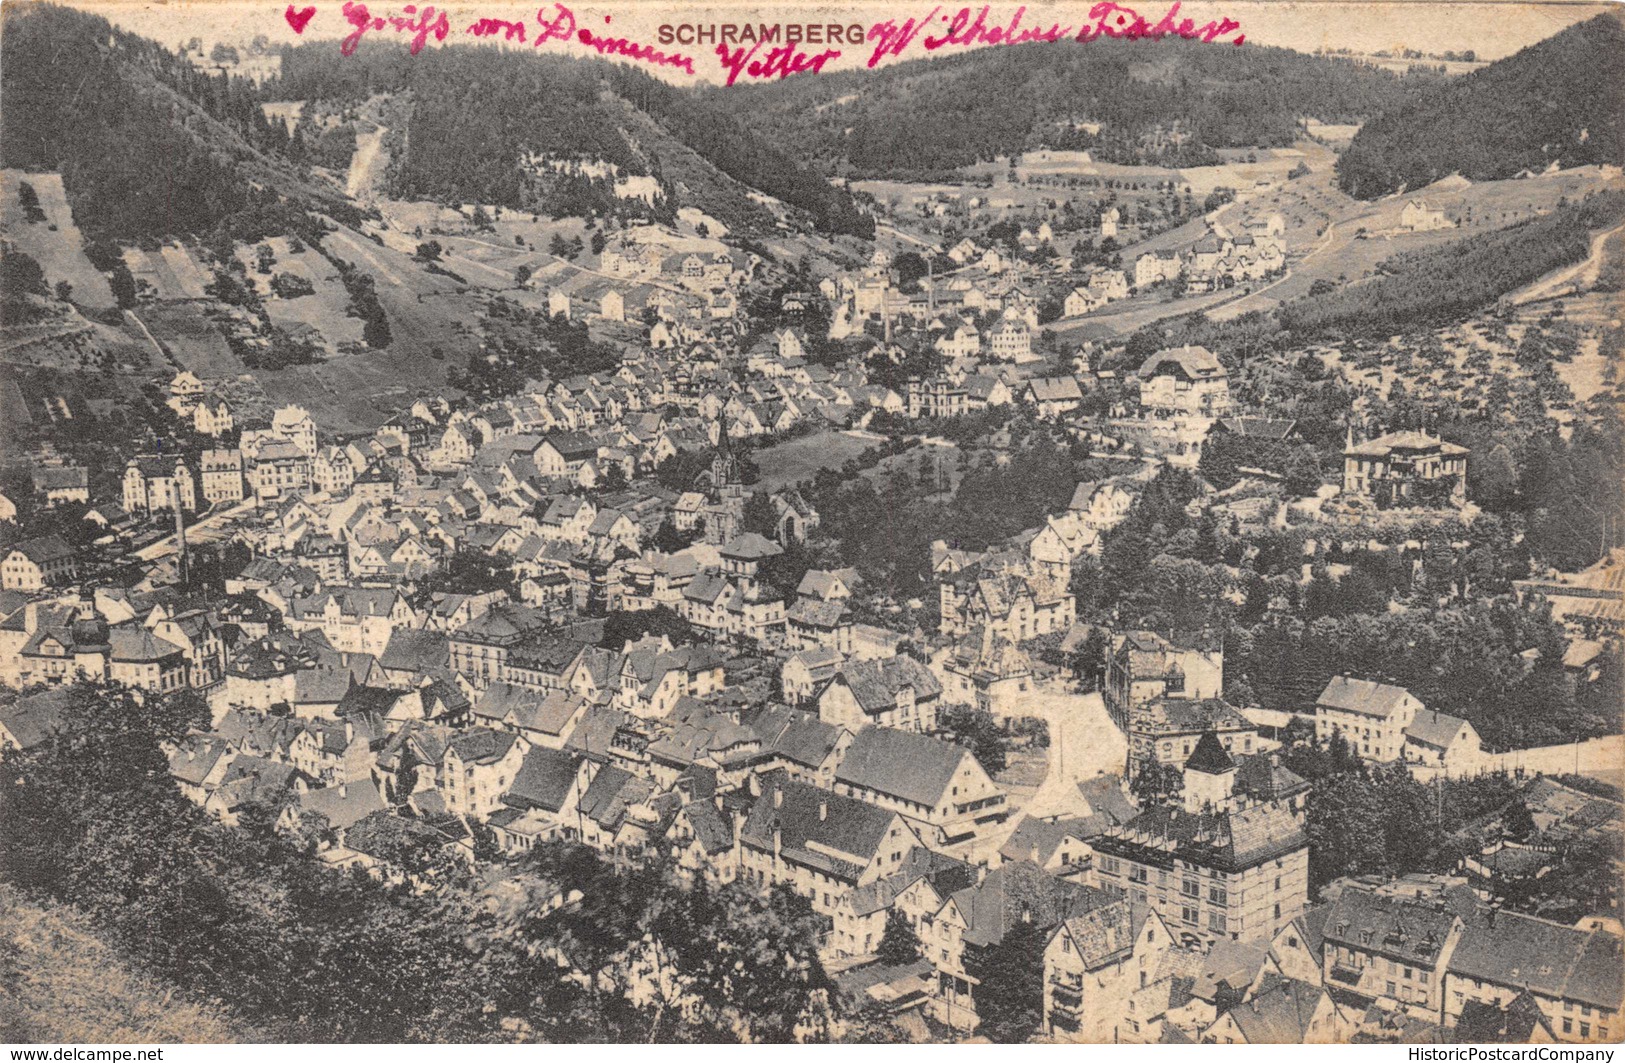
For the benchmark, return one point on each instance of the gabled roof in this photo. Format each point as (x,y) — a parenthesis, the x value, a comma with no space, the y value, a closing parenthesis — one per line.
(876,683)
(543,780)
(343,805)
(1192,363)
(1435,729)
(1209,756)
(901,764)
(1365,696)
(815,827)
(1021,892)
(796,736)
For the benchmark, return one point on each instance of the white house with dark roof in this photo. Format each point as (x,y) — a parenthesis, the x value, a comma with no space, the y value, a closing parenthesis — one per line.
(938,786)
(894,692)
(1371,716)
(818,842)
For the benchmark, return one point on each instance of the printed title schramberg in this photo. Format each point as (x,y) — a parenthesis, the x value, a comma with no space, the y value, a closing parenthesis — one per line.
(776,33)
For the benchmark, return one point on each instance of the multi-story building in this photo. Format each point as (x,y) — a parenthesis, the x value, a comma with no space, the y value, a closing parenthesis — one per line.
(280,470)
(1145,666)
(938,786)
(1236,875)
(153,482)
(1167,730)
(819,843)
(222,475)
(1406,469)
(38,563)
(1371,716)
(898,692)
(1184,382)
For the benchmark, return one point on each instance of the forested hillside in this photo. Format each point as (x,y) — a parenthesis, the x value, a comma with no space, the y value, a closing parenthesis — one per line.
(147,146)
(476,114)
(1549,103)
(1162,102)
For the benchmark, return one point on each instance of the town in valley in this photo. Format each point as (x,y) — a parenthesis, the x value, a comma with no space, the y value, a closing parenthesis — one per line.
(1109,544)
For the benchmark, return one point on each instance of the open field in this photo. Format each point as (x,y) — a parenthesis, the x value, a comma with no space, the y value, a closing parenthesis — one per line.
(173,272)
(192,340)
(55,243)
(322,312)
(799,459)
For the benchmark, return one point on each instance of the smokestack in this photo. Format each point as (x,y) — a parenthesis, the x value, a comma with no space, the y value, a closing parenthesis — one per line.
(823,811)
(180,529)
(778,797)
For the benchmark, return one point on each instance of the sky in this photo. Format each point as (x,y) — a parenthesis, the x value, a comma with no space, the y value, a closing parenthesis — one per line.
(1491,28)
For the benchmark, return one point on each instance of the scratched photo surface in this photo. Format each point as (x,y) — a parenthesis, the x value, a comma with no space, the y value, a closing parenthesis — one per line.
(812,522)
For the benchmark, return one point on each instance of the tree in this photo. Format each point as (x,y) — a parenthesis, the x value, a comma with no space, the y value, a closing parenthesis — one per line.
(899,944)
(522,275)
(428,251)
(761,516)
(977,730)
(223,53)
(558,247)
(64,291)
(1009,983)
(1517,821)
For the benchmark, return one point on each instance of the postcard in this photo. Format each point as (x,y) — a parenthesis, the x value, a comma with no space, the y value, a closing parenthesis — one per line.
(592,521)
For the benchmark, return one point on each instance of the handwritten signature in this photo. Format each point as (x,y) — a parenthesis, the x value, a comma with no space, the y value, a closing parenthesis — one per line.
(966,27)
(1106,19)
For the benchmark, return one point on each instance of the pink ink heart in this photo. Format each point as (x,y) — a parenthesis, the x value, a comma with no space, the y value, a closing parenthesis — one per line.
(298,19)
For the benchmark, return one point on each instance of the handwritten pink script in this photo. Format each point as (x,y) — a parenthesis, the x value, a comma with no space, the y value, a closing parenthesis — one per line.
(965,28)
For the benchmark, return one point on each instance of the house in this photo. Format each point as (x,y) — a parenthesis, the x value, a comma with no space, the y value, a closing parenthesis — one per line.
(477,768)
(29,721)
(221,471)
(1372,717)
(1443,741)
(1575,975)
(1391,946)
(1144,666)
(1167,731)
(897,692)
(153,482)
(1157,267)
(212,416)
(1015,894)
(1404,469)
(1184,382)
(818,842)
(542,799)
(1053,396)
(35,564)
(1010,341)
(807,671)
(540,718)
(937,786)
(1417,217)
(335,808)
(62,483)
(1093,963)
(1287,1011)
(803,746)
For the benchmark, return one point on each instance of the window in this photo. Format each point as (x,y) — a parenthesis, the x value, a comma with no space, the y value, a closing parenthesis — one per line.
(1191,888)
(1215,922)
(1423,975)
(1392,991)
(1568,1025)
(1218,895)
(1188,915)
